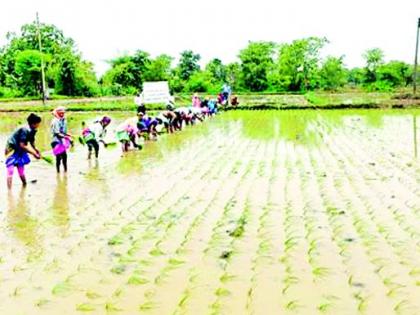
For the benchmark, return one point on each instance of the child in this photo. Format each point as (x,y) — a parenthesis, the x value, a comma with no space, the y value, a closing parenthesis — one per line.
(94,134)
(126,133)
(61,139)
(20,143)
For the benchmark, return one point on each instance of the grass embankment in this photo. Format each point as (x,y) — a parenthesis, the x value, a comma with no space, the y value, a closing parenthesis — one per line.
(318,100)
(312,100)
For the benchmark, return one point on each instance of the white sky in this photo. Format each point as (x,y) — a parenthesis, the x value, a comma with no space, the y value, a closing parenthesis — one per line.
(104,29)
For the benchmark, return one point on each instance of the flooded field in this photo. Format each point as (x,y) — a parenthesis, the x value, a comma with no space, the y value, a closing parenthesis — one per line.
(271,212)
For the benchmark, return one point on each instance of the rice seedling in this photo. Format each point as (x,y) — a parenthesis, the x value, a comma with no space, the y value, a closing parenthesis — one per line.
(85,307)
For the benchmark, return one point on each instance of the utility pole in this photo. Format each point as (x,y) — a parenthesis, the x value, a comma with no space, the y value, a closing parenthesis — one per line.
(415,134)
(44,94)
(415,60)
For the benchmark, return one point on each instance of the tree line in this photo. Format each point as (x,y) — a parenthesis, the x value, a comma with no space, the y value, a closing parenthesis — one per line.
(261,67)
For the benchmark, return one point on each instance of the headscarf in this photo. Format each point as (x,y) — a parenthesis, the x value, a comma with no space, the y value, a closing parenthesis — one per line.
(106,120)
(57,110)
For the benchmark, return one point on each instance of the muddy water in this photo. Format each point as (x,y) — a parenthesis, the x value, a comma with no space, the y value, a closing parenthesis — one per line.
(299,212)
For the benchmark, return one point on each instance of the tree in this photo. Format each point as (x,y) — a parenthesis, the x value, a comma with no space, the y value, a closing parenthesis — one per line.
(75,77)
(127,73)
(374,58)
(256,63)
(188,64)
(200,81)
(396,73)
(233,75)
(28,68)
(332,74)
(159,68)
(217,70)
(357,76)
(297,67)
(62,52)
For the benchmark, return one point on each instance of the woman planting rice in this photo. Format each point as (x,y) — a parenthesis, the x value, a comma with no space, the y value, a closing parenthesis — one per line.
(20,143)
(94,134)
(61,139)
(126,134)
(147,125)
(167,118)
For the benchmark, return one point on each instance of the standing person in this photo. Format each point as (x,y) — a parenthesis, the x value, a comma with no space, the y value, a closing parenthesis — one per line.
(61,139)
(196,102)
(139,100)
(20,143)
(226,92)
(94,134)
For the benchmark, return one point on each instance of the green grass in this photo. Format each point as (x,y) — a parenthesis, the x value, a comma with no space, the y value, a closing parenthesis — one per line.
(310,100)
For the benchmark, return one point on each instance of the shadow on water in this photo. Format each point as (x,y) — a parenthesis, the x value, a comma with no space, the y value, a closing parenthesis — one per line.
(23,226)
(60,206)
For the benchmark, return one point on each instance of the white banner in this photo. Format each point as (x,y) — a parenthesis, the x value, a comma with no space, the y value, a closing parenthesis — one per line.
(155,92)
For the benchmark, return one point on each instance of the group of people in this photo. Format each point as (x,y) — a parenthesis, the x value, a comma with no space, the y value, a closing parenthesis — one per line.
(21,143)
(171,119)
(225,97)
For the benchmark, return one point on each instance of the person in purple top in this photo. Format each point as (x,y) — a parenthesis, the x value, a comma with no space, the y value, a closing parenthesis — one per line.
(18,147)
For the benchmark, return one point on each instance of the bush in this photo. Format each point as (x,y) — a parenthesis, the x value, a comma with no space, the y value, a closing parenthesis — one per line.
(380,86)
(6,92)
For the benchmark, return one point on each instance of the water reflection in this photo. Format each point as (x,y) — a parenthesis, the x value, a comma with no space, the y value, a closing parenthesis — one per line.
(308,127)
(293,126)
(22,225)
(60,206)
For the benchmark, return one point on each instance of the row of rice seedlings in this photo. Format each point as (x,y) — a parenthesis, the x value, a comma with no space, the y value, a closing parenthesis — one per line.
(265,254)
(339,217)
(127,232)
(322,228)
(217,238)
(137,279)
(359,227)
(366,233)
(294,235)
(61,288)
(398,248)
(398,216)
(177,261)
(235,234)
(174,262)
(119,238)
(151,229)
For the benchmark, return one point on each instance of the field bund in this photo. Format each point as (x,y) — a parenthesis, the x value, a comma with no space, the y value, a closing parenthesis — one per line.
(268,212)
(311,100)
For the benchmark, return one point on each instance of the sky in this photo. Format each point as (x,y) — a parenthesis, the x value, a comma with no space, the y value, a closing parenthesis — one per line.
(104,29)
